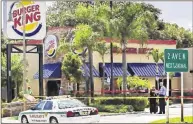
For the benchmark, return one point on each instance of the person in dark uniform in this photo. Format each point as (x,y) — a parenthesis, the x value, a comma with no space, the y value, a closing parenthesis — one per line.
(152,101)
(162,93)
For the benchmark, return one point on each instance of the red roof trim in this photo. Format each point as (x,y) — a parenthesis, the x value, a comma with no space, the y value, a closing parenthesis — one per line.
(158,42)
(107,39)
(166,42)
(32,42)
(57,28)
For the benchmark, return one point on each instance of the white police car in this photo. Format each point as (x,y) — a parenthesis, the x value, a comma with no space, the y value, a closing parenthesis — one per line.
(63,110)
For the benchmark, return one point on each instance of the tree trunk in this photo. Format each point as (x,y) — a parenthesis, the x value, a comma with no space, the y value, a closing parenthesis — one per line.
(16,89)
(103,78)
(157,71)
(90,51)
(74,89)
(86,78)
(86,75)
(112,83)
(112,77)
(78,89)
(124,65)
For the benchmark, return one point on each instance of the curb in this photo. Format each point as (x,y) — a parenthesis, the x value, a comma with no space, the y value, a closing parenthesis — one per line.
(113,114)
(7,118)
(123,113)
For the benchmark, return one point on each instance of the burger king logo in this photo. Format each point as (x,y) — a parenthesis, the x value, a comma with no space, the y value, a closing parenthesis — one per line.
(35,27)
(51,45)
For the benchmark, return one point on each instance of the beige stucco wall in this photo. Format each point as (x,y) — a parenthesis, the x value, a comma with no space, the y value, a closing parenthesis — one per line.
(138,58)
(135,58)
(175,82)
(188,77)
(33,65)
(97,85)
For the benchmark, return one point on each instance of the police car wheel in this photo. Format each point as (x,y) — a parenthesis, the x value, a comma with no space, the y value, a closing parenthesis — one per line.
(53,120)
(24,119)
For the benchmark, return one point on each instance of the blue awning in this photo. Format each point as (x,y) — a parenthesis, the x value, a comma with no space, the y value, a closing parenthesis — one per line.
(95,72)
(148,69)
(51,70)
(117,69)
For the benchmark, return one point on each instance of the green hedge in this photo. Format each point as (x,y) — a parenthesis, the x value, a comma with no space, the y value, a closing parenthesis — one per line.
(113,108)
(139,104)
(170,103)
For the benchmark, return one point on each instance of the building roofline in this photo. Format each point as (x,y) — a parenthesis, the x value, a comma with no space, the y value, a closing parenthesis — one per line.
(107,39)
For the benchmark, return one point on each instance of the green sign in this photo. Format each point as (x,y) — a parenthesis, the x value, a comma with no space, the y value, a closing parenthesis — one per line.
(176,60)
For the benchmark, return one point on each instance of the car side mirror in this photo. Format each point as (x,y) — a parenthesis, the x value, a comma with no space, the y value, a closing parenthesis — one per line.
(33,108)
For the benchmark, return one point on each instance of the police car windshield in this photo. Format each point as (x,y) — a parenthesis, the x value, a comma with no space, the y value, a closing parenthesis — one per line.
(63,104)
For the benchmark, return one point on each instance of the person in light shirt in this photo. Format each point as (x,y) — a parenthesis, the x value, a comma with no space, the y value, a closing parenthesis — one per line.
(162,93)
(61,91)
(29,91)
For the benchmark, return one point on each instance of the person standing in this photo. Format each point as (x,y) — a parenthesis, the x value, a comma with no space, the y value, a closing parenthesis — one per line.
(29,91)
(152,101)
(162,93)
(61,91)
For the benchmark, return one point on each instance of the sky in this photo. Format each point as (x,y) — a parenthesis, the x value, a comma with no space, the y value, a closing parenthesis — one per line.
(174,12)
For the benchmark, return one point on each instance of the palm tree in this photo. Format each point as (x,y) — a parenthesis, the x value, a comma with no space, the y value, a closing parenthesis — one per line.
(130,22)
(102,49)
(96,18)
(86,37)
(157,56)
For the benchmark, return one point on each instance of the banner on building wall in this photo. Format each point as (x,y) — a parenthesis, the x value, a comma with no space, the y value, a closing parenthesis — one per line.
(50,45)
(35,19)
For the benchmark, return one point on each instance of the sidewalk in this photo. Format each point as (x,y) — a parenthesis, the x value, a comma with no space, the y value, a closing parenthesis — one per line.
(7,120)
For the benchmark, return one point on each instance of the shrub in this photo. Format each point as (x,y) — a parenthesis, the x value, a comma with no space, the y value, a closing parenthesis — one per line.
(170,103)
(139,104)
(5,112)
(3,105)
(20,95)
(3,100)
(134,82)
(113,108)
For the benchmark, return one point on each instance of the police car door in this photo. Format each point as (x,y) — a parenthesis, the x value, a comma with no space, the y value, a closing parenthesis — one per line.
(36,116)
(47,110)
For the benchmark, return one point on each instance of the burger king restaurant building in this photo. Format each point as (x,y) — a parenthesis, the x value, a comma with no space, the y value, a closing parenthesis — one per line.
(137,62)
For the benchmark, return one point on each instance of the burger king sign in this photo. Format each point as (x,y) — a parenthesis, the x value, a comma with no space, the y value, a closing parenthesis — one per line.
(35,19)
(50,45)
